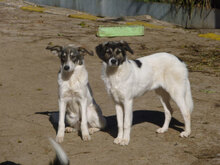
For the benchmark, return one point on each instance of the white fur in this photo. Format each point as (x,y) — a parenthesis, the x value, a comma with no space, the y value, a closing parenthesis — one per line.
(77,103)
(161,72)
(61,157)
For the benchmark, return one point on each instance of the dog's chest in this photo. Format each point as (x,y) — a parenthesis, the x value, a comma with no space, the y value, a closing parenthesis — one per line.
(116,89)
(71,90)
(117,94)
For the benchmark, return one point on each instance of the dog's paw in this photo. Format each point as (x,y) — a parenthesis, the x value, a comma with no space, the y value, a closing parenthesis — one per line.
(117,140)
(124,142)
(69,129)
(59,139)
(121,141)
(86,137)
(184,134)
(161,130)
(93,130)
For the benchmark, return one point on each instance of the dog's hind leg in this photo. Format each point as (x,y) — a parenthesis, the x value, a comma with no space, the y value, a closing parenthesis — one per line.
(186,116)
(165,100)
(73,120)
(95,118)
(179,98)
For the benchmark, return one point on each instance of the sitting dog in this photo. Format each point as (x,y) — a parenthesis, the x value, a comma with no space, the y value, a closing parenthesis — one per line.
(126,79)
(76,101)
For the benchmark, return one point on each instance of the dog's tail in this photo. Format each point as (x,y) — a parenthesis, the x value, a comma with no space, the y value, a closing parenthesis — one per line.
(61,157)
(188,97)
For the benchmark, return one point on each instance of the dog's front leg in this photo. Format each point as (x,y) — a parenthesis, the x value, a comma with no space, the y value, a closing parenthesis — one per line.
(128,115)
(84,122)
(119,114)
(61,126)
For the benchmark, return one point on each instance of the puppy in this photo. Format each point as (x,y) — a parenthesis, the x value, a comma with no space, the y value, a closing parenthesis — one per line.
(76,101)
(126,79)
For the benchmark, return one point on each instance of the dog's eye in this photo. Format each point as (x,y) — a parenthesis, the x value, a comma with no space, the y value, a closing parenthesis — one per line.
(63,57)
(108,51)
(118,51)
(73,57)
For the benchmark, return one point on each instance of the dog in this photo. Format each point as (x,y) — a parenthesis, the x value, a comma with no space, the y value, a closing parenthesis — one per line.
(126,79)
(76,101)
(61,157)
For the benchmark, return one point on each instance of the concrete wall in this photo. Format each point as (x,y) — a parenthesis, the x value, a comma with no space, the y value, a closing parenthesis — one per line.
(117,8)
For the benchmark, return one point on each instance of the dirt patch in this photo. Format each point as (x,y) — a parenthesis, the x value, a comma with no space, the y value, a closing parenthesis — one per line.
(28,90)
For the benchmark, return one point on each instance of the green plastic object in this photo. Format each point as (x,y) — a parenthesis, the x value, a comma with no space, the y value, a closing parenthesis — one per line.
(119,31)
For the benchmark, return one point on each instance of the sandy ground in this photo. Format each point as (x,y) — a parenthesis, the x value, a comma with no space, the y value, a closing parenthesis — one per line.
(28,91)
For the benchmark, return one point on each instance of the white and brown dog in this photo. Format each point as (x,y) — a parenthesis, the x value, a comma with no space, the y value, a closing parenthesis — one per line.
(126,79)
(76,101)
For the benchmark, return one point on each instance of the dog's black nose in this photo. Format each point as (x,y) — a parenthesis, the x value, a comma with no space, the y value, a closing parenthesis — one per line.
(113,61)
(66,67)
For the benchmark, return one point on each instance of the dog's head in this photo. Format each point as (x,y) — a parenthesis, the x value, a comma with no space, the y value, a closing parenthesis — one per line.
(70,56)
(113,53)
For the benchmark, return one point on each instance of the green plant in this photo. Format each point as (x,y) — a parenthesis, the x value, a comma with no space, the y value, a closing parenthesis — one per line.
(185,3)
(82,24)
(188,4)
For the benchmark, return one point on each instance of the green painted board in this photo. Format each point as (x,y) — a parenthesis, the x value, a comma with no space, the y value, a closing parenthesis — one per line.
(119,31)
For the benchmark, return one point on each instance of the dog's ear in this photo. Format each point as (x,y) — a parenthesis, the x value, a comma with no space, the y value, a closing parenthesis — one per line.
(83,51)
(100,51)
(56,50)
(126,46)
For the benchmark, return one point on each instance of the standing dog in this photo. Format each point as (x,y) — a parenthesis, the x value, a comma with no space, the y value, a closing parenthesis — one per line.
(75,96)
(126,79)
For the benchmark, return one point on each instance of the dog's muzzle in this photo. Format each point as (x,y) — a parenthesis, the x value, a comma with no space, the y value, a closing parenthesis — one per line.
(113,62)
(66,68)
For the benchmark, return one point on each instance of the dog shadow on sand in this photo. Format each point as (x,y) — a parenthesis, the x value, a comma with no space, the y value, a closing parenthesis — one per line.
(139,116)
(142,116)
(53,118)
